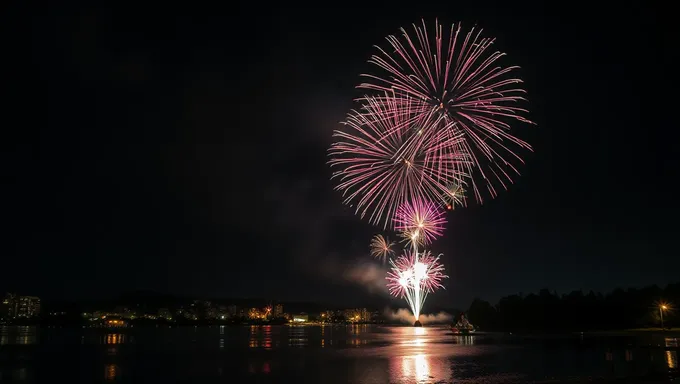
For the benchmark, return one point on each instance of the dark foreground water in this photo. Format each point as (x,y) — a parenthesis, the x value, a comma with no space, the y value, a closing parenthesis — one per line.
(329,354)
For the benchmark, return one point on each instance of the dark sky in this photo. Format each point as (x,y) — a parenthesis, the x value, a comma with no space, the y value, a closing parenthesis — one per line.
(184,151)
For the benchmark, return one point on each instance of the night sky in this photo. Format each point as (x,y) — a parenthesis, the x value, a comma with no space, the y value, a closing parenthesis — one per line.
(184,151)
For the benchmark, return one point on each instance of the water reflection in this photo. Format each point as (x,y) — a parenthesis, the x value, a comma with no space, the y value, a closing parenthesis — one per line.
(111,371)
(327,354)
(21,335)
(672,355)
(358,329)
(416,358)
(264,368)
(415,367)
(672,359)
(267,337)
(260,336)
(464,340)
(20,374)
(24,340)
(297,336)
(115,338)
(252,341)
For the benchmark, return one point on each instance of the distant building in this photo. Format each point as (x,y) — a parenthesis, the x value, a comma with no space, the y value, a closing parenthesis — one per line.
(164,313)
(351,315)
(20,306)
(210,313)
(29,306)
(9,306)
(123,312)
(232,311)
(278,310)
(364,315)
(301,318)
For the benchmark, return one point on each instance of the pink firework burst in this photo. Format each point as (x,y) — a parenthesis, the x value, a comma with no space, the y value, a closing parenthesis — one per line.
(460,78)
(381,247)
(435,272)
(420,221)
(389,153)
(399,277)
(413,276)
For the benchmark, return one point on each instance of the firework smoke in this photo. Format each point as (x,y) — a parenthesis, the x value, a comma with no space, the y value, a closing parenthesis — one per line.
(405,316)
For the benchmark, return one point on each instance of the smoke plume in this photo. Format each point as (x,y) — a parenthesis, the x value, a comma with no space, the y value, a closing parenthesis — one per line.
(368,275)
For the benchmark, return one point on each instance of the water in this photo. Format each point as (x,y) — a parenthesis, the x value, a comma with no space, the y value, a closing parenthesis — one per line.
(329,354)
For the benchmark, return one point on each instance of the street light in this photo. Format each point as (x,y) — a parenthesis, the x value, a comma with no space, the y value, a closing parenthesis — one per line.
(662,308)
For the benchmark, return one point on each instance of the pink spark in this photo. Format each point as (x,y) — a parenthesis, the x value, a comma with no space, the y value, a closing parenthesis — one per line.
(420,220)
(390,152)
(458,76)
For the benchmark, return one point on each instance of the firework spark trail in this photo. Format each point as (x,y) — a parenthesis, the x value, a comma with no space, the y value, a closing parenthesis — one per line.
(420,221)
(459,77)
(455,195)
(413,277)
(381,248)
(387,155)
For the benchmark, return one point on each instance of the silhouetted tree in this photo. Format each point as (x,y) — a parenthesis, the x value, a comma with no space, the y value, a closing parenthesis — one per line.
(482,314)
(576,311)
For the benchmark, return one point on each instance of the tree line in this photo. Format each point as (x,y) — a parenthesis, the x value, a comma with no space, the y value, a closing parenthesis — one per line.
(580,311)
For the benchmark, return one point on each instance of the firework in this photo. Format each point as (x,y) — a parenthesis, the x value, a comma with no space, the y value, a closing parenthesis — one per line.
(458,77)
(455,195)
(419,221)
(438,126)
(435,272)
(413,277)
(381,247)
(387,155)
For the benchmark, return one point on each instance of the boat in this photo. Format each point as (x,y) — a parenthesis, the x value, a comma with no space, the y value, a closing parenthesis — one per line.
(463,326)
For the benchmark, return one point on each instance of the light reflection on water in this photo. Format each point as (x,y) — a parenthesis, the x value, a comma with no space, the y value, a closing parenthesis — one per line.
(115,338)
(672,355)
(111,371)
(22,335)
(329,353)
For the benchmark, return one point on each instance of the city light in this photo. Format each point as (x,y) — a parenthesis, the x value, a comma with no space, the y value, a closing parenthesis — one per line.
(662,308)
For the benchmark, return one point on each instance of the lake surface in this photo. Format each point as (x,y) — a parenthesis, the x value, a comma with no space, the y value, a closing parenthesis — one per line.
(328,354)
